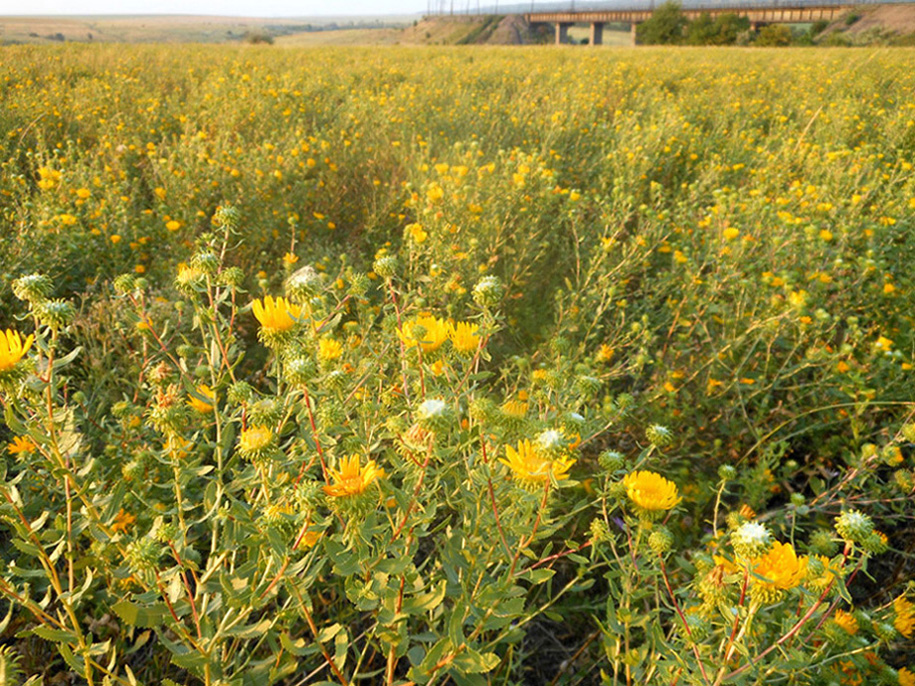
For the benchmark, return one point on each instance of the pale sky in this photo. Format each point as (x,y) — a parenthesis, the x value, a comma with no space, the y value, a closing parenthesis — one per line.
(241,8)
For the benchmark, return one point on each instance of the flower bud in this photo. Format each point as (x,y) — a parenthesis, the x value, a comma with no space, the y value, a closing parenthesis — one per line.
(660,540)
(751,540)
(385,266)
(610,461)
(488,292)
(854,526)
(33,288)
(659,436)
(55,313)
(727,472)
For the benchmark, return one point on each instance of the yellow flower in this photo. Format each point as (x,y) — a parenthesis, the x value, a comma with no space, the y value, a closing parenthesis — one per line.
(20,445)
(847,621)
(83,193)
(532,468)
(290,258)
(731,233)
(906,678)
(329,349)
(173,225)
(122,521)
(417,233)
(780,568)
(352,478)
(905,616)
(651,491)
(203,407)
(515,409)
(12,349)
(465,337)
(428,332)
(276,316)
(254,439)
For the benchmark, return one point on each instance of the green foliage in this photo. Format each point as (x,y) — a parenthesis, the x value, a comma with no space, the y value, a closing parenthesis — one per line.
(723,30)
(677,431)
(773,36)
(666,26)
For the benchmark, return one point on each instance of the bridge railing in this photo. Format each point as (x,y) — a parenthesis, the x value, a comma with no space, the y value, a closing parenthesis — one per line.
(536,6)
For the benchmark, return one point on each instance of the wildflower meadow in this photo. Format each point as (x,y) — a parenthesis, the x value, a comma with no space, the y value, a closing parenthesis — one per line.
(457,366)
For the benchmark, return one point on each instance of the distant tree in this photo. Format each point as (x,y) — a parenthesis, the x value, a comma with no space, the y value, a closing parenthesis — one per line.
(258,37)
(699,31)
(774,35)
(724,30)
(727,27)
(665,27)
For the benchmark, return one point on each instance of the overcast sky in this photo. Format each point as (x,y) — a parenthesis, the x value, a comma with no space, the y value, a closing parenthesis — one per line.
(243,8)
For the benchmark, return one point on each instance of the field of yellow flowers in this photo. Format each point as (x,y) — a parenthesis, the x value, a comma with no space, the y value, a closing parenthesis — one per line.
(446,366)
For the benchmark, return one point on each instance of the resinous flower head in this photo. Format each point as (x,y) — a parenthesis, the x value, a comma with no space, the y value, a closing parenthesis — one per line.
(255,441)
(465,337)
(751,540)
(854,526)
(12,349)
(276,315)
(531,468)
(780,569)
(206,400)
(427,332)
(352,478)
(650,492)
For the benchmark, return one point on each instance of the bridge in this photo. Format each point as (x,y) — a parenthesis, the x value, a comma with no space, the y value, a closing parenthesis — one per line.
(758,14)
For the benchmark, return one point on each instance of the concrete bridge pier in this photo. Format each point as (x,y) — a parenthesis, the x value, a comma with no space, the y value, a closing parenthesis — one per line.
(597,32)
(562,32)
(632,32)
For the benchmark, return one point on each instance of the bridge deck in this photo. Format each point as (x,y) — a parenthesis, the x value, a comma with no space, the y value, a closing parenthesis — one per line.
(761,14)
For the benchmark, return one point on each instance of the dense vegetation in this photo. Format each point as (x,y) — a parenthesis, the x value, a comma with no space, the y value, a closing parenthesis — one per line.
(481,366)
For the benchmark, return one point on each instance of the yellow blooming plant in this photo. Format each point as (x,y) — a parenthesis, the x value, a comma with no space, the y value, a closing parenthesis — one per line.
(515,261)
(276,315)
(465,337)
(426,332)
(352,478)
(531,468)
(651,492)
(12,349)
(203,399)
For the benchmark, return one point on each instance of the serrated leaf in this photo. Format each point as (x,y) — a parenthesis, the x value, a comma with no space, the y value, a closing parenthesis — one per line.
(472,662)
(141,616)
(56,635)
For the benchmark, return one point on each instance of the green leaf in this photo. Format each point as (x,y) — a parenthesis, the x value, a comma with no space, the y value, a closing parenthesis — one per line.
(56,635)
(144,617)
(299,647)
(472,662)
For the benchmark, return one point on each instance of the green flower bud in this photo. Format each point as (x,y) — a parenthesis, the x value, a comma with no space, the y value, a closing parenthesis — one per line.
(33,288)
(659,436)
(727,472)
(822,543)
(751,540)
(124,284)
(434,415)
(660,540)
(610,461)
(55,313)
(143,554)
(240,393)
(854,526)
(488,292)
(205,262)
(233,277)
(385,266)
(304,284)
(226,217)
